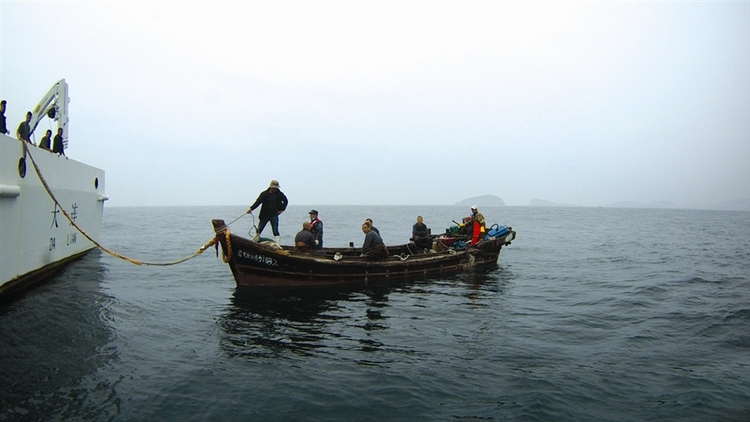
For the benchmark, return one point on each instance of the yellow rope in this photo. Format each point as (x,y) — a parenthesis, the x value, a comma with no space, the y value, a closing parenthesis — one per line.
(228,257)
(196,253)
(102,247)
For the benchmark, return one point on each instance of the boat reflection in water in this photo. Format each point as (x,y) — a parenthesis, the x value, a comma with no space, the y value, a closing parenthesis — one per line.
(272,324)
(269,325)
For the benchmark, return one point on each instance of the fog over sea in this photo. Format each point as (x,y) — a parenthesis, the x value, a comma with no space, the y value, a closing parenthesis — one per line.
(597,314)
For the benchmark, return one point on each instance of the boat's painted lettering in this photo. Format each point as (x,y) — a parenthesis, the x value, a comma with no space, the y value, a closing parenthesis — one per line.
(74,213)
(261,259)
(51,243)
(71,238)
(54,216)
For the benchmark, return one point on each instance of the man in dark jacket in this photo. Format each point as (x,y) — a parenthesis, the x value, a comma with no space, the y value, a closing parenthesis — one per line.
(46,142)
(305,241)
(24,130)
(57,143)
(316,228)
(3,125)
(373,246)
(273,203)
(420,235)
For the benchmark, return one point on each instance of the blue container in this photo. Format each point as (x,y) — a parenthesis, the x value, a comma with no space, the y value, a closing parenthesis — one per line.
(498,231)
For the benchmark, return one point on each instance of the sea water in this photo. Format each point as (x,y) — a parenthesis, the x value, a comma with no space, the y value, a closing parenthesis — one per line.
(591,314)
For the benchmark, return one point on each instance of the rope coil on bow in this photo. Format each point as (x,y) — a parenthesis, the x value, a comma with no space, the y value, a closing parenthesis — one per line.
(250,232)
(228,256)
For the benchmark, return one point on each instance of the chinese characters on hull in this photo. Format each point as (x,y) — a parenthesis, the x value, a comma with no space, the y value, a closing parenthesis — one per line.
(71,238)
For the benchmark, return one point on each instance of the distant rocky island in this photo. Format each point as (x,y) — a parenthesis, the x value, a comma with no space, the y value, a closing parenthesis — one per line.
(482,201)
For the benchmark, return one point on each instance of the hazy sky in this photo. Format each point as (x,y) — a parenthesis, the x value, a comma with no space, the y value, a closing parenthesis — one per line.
(193,103)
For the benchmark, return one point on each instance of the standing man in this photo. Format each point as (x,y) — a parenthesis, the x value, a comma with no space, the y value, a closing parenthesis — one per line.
(273,203)
(3,125)
(477,220)
(57,144)
(24,130)
(316,228)
(46,141)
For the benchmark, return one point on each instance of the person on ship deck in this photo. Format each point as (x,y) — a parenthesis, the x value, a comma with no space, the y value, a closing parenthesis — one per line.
(24,130)
(3,122)
(46,141)
(57,143)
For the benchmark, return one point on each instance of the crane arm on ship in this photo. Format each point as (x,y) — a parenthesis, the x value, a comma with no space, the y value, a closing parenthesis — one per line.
(55,106)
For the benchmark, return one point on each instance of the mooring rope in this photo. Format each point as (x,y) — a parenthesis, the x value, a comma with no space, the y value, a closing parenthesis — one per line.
(202,249)
(226,256)
(250,232)
(226,226)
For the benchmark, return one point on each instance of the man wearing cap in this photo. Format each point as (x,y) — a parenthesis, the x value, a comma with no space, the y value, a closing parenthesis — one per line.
(316,228)
(477,222)
(273,203)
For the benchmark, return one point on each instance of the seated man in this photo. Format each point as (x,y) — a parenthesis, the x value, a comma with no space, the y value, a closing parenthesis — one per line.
(305,240)
(373,246)
(420,235)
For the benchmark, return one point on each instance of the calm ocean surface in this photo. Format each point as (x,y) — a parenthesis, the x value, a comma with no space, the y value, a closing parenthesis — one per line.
(591,314)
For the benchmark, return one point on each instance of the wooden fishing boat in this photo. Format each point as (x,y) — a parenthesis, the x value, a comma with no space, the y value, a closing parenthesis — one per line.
(266,265)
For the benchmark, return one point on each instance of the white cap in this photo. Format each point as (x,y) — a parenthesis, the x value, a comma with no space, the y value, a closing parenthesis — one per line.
(473,207)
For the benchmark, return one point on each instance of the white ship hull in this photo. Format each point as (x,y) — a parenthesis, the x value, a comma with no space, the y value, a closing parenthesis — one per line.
(36,239)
